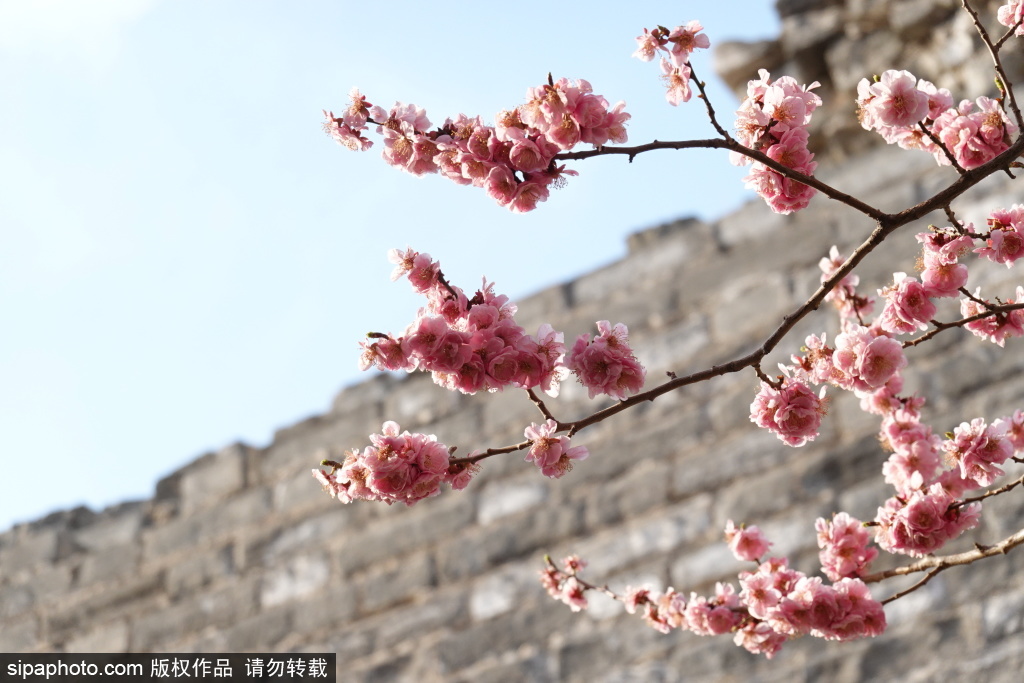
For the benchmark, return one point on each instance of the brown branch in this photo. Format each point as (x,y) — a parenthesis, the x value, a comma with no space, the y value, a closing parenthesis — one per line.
(886,224)
(939,327)
(928,577)
(540,405)
(733,146)
(945,150)
(988,494)
(1006,36)
(707,103)
(1007,85)
(947,561)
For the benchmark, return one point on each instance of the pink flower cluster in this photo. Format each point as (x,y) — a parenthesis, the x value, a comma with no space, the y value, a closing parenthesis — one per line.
(943,275)
(793,604)
(397,467)
(917,453)
(467,344)
(773,119)
(1012,14)
(1005,240)
(923,521)
(607,365)
(844,295)
(747,543)
(552,454)
(844,546)
(867,358)
(347,129)
(513,161)
(1000,325)
(792,411)
(980,449)
(678,44)
(908,306)
(904,110)
(775,603)
(562,584)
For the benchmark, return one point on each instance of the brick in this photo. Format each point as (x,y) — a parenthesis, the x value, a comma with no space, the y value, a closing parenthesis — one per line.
(191,573)
(506,498)
(222,607)
(111,528)
(498,592)
(398,583)
(113,564)
(213,477)
(29,550)
(110,637)
(208,527)
(71,616)
(20,635)
(298,577)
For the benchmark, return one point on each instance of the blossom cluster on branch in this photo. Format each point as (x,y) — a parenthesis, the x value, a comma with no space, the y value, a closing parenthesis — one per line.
(473,343)
(513,160)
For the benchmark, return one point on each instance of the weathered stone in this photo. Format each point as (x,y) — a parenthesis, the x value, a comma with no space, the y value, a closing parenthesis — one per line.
(213,477)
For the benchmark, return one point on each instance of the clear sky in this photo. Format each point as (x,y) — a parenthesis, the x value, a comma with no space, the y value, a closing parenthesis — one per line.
(186,260)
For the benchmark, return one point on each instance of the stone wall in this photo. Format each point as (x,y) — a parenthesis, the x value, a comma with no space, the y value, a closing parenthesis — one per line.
(241,551)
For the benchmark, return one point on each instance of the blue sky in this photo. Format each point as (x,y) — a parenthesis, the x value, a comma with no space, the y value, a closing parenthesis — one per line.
(186,260)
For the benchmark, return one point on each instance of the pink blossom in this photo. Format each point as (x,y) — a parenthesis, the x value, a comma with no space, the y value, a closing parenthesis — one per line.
(942,275)
(896,101)
(844,295)
(666,611)
(793,412)
(635,597)
(686,39)
(397,467)
(995,327)
(1012,14)
(863,616)
(552,454)
(677,82)
(606,365)
(979,449)
(907,306)
(647,46)
(385,353)
(1015,429)
(759,593)
(747,543)
(913,465)
(573,594)
(844,546)
(344,134)
(973,138)
(868,361)
(716,616)
(1005,243)
(923,521)
(759,638)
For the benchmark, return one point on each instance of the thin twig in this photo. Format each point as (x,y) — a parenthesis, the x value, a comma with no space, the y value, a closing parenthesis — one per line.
(540,405)
(928,577)
(947,561)
(994,52)
(707,103)
(988,494)
(1006,36)
(939,327)
(941,145)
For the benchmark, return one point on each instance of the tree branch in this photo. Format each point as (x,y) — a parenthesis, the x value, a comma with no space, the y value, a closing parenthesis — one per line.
(947,561)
